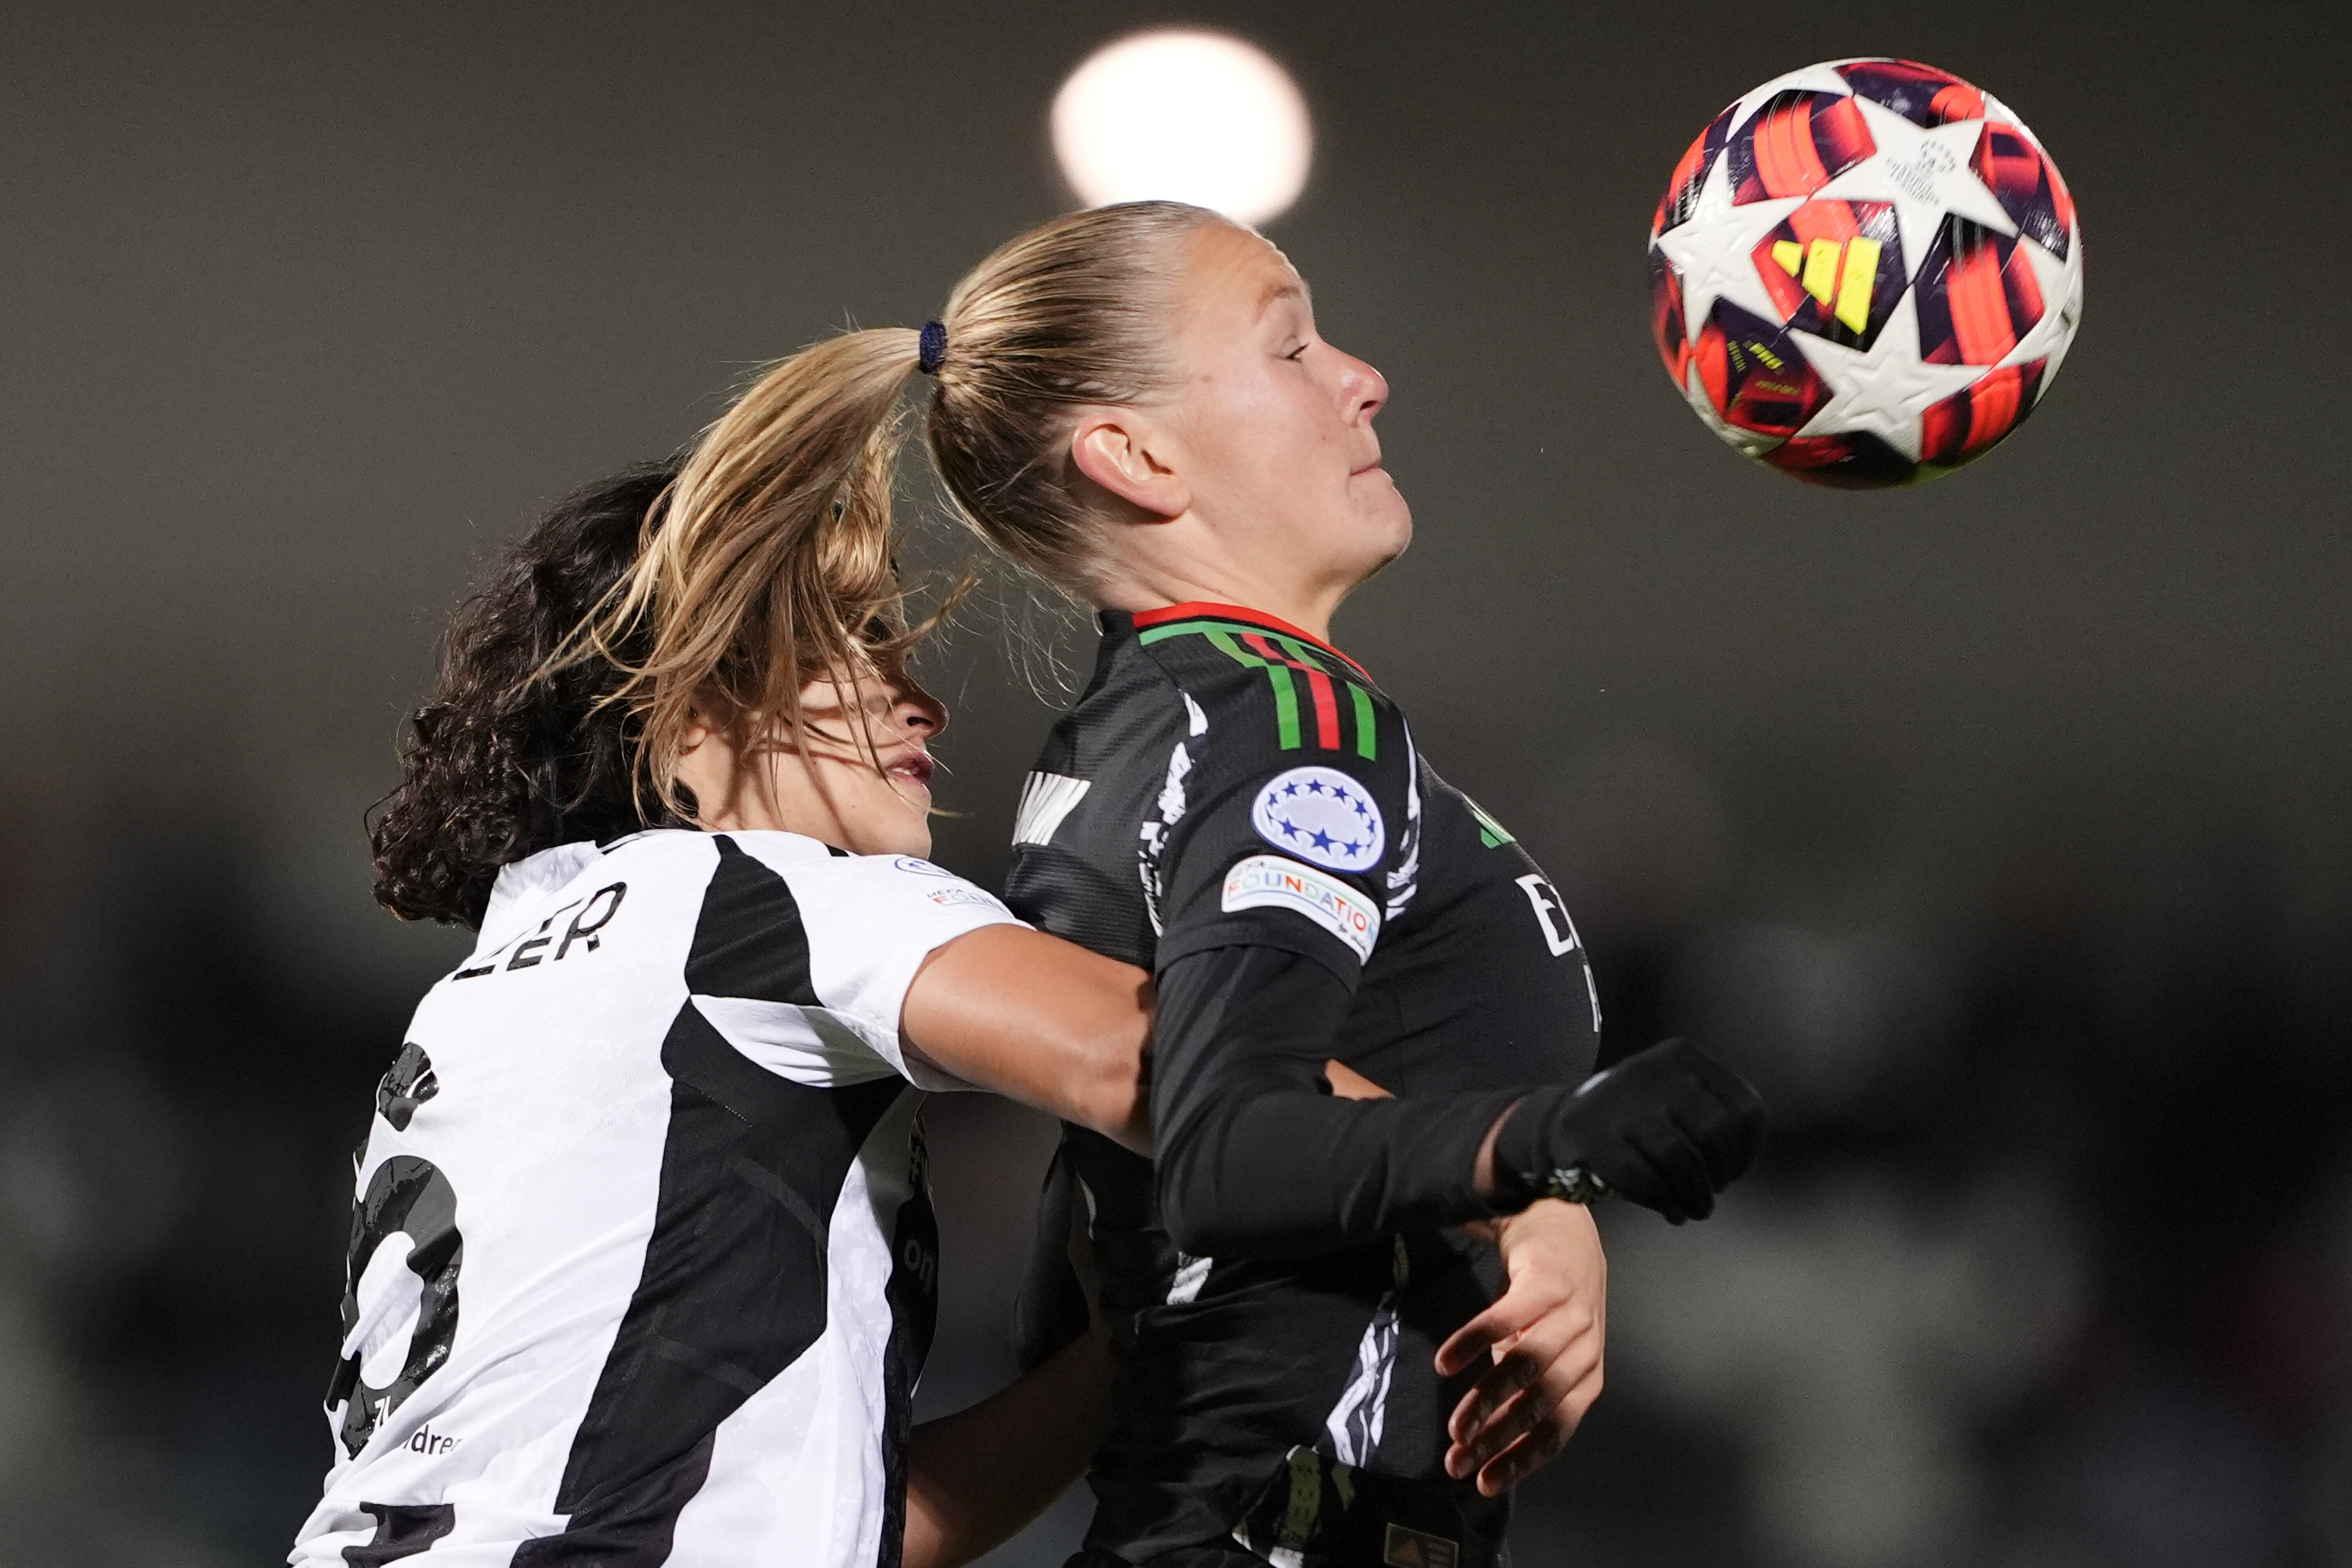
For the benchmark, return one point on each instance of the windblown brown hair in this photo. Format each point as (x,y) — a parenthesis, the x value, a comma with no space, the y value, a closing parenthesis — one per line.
(508,757)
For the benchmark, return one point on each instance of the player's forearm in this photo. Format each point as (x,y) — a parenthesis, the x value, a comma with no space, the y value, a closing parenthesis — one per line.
(1292,1174)
(1038,1020)
(1253,1158)
(976,1477)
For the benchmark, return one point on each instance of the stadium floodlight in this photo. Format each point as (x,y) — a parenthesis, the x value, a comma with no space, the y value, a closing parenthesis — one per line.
(1184,115)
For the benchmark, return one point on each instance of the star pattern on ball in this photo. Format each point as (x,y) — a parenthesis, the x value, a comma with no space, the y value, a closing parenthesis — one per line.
(1923,172)
(1715,251)
(1721,253)
(1885,390)
(1996,110)
(2062,290)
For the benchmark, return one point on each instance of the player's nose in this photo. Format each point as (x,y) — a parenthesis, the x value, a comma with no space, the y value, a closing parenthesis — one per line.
(1362,389)
(918,712)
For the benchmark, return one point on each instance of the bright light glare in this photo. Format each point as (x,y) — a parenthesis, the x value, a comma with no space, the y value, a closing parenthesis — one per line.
(1184,116)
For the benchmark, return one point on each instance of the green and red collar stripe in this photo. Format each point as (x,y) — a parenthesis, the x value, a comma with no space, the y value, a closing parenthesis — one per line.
(1286,654)
(1202,610)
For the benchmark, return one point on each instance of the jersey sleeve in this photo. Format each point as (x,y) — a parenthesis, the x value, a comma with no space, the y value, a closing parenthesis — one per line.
(887,915)
(1264,837)
(813,957)
(1254,1157)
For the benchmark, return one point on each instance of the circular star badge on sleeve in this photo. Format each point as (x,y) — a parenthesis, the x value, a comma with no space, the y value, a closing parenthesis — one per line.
(1321,815)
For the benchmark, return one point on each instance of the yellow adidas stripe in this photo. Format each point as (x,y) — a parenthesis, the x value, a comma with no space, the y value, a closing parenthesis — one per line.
(1846,274)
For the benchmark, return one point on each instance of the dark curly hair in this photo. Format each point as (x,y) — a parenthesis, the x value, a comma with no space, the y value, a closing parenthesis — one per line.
(510,756)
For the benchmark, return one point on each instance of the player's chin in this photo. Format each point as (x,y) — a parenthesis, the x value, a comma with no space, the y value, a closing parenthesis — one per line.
(909,828)
(1384,532)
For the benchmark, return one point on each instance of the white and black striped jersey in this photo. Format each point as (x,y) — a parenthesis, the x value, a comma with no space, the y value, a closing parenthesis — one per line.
(642,1266)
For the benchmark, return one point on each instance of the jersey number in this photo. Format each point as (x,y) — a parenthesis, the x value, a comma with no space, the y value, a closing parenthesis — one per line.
(408,1197)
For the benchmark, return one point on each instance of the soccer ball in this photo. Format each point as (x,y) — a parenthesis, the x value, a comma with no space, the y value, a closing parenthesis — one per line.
(1866,273)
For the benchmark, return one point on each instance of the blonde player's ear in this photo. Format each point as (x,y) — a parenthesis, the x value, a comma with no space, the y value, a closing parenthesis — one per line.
(1121,452)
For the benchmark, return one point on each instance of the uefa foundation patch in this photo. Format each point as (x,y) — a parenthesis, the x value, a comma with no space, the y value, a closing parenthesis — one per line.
(1323,815)
(1269,881)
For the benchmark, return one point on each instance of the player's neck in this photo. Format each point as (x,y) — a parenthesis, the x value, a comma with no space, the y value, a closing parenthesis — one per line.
(1296,598)
(772,792)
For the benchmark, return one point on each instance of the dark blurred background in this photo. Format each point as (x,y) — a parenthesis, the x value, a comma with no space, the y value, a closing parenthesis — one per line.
(1999,828)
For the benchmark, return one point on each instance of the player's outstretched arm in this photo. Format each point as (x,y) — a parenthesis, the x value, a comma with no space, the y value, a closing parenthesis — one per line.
(1256,1157)
(976,1477)
(1039,1020)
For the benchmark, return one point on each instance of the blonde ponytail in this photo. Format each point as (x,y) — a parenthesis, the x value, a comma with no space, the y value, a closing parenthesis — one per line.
(772,566)
(1075,311)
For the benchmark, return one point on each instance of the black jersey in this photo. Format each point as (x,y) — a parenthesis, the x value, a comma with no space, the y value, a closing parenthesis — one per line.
(1227,781)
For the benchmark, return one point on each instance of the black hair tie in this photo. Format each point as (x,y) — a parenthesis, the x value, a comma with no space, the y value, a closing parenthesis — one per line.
(932,348)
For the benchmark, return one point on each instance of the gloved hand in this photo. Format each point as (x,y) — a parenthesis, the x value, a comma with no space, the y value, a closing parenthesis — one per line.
(1668,1128)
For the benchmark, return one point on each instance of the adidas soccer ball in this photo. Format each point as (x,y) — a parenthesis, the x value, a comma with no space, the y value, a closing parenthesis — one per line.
(1866,273)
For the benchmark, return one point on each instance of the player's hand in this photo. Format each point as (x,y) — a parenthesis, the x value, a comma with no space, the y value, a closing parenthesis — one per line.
(1543,1340)
(1668,1128)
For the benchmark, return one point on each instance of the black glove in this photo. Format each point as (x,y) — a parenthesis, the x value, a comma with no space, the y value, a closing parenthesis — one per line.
(1668,1128)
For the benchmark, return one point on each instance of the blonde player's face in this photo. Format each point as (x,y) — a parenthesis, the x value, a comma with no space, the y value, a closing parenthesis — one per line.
(1275,425)
(825,783)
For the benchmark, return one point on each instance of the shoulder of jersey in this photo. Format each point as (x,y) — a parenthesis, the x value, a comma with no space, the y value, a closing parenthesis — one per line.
(659,843)
(528,883)
(907,880)
(1257,689)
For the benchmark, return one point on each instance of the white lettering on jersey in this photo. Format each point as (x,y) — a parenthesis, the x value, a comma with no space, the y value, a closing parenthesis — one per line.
(1269,881)
(594,913)
(1323,815)
(1045,799)
(1547,901)
(1172,794)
